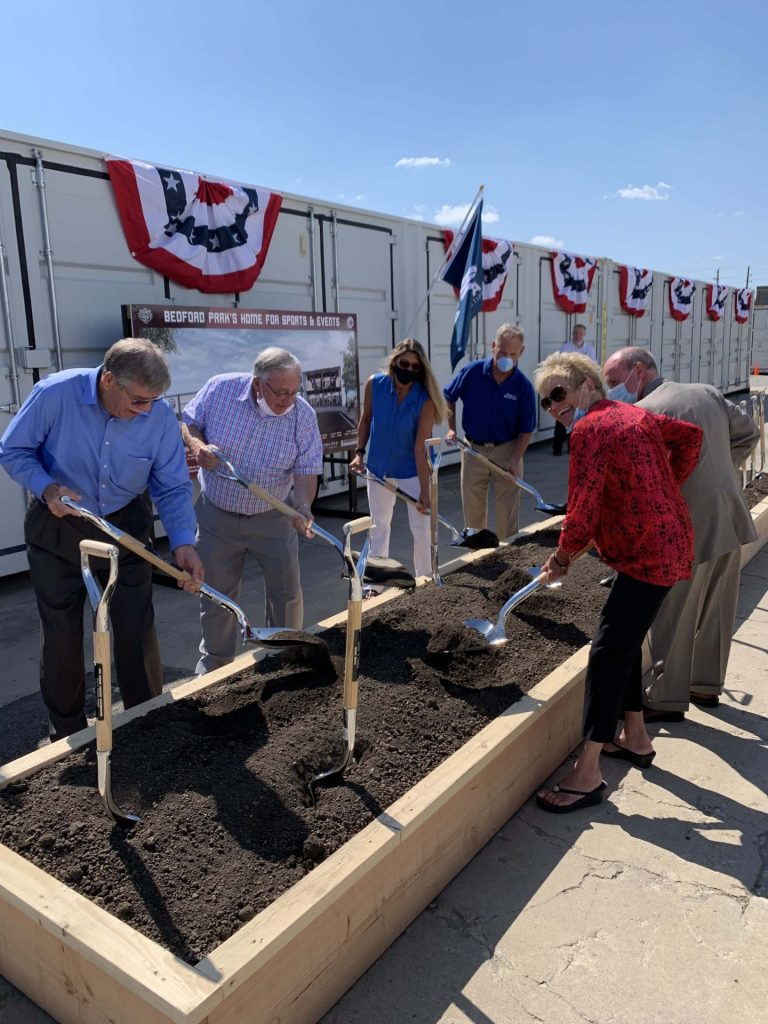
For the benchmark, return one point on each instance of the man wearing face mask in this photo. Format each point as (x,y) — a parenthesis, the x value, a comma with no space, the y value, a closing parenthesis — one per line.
(691,637)
(499,417)
(580,346)
(270,433)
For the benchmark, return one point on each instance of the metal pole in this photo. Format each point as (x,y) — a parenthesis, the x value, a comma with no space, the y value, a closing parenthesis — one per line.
(13,373)
(47,252)
(312,263)
(335,259)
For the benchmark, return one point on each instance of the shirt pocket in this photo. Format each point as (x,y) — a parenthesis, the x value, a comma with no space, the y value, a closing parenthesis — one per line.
(132,473)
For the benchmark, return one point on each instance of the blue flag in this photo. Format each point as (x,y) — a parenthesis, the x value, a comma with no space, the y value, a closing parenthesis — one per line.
(464,271)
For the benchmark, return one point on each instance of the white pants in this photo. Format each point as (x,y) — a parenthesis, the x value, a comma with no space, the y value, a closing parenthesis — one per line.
(381,502)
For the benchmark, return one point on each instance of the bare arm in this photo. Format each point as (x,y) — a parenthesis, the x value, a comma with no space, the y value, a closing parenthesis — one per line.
(450,436)
(357,465)
(197,446)
(305,489)
(518,450)
(423,431)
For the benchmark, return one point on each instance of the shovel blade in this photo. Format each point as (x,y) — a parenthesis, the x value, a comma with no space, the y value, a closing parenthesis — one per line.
(475,540)
(552,510)
(492,631)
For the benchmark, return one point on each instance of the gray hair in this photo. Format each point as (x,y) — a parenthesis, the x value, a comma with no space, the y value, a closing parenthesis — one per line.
(514,329)
(272,358)
(138,361)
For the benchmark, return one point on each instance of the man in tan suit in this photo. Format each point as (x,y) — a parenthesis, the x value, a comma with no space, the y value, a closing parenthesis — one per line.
(690,639)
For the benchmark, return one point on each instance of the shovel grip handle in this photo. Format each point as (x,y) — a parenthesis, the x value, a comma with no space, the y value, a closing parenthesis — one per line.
(102,669)
(97,548)
(358,526)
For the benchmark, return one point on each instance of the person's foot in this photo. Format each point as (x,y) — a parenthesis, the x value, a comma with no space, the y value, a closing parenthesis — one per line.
(573,789)
(637,744)
(624,753)
(657,715)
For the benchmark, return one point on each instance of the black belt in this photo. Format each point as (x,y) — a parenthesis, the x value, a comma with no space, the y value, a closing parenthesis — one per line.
(489,444)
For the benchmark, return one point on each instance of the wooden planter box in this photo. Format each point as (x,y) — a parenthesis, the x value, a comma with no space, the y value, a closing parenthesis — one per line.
(291,962)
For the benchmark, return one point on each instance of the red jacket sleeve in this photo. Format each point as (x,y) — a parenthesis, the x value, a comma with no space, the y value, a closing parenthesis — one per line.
(586,480)
(683,442)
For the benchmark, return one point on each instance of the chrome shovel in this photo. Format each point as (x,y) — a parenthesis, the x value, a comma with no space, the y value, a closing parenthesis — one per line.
(102,669)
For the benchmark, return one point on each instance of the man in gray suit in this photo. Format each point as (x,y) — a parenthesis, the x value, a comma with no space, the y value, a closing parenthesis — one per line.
(690,639)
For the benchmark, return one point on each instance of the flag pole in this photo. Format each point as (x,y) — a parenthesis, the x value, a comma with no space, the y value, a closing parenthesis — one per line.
(436,275)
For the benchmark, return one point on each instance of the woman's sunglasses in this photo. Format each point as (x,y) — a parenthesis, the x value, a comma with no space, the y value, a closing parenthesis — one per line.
(557,394)
(406,364)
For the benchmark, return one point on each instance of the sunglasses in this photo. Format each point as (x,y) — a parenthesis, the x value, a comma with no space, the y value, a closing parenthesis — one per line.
(406,364)
(557,394)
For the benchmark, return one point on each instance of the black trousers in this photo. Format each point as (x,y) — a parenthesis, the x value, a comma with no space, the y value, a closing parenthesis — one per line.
(559,437)
(54,564)
(614,672)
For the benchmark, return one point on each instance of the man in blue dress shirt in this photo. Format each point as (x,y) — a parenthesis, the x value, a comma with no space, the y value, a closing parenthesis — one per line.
(103,437)
(498,417)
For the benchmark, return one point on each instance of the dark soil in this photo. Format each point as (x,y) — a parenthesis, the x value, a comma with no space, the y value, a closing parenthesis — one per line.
(219,780)
(756,491)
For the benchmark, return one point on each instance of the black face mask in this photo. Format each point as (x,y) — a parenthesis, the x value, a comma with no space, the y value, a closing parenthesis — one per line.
(406,376)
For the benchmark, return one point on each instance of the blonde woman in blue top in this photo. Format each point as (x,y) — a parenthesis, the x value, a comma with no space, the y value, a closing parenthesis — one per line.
(402,404)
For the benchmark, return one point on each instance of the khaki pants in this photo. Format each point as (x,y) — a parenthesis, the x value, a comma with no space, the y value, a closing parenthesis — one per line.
(475,479)
(224,540)
(690,639)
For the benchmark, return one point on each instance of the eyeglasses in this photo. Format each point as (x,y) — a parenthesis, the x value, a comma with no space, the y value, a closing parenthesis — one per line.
(138,400)
(406,364)
(557,394)
(282,393)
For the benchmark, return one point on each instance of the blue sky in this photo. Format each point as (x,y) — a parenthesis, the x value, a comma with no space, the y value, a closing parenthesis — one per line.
(635,131)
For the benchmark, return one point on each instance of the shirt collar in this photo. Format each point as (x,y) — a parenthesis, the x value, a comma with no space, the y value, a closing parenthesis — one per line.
(90,392)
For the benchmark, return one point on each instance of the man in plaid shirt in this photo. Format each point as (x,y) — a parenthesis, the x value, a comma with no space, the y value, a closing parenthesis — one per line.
(270,433)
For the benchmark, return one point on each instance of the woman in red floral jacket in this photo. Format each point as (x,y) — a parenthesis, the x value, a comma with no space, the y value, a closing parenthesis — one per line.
(623,496)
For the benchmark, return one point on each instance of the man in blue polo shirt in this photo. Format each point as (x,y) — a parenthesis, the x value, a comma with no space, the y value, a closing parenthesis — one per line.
(499,417)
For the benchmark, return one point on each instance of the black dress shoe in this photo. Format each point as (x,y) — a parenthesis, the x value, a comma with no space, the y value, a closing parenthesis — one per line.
(654,715)
(705,700)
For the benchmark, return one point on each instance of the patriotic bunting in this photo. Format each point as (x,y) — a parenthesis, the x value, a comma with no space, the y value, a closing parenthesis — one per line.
(497,254)
(742,301)
(681,292)
(717,295)
(571,280)
(209,235)
(464,272)
(634,290)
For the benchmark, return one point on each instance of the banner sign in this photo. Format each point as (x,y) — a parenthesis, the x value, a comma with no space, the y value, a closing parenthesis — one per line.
(717,295)
(681,292)
(634,290)
(742,301)
(203,341)
(210,235)
(571,280)
(497,254)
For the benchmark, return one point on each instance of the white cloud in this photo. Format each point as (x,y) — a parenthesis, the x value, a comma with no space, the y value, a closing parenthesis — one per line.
(715,257)
(548,241)
(648,193)
(423,161)
(344,198)
(453,216)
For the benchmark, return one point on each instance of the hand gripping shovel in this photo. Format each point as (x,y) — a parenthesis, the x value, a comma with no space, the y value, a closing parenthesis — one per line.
(467,538)
(384,576)
(351,656)
(432,452)
(541,505)
(495,632)
(311,649)
(102,669)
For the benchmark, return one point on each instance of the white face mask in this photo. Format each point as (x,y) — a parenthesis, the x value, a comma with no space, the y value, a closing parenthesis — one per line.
(267,411)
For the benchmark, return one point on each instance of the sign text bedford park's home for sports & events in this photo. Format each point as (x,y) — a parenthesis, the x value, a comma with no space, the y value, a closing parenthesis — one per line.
(250,318)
